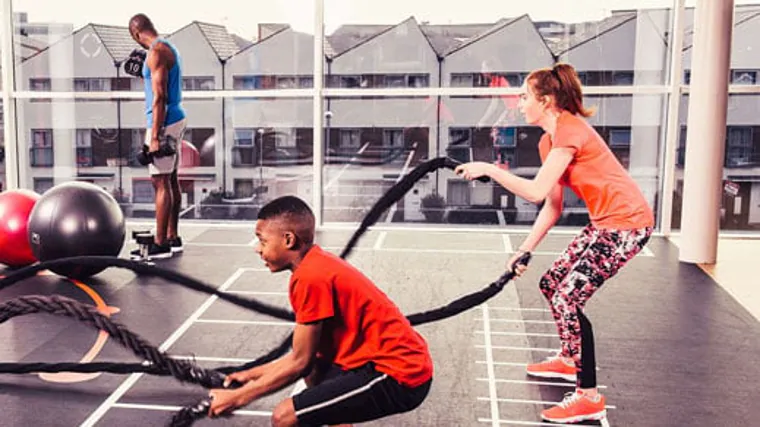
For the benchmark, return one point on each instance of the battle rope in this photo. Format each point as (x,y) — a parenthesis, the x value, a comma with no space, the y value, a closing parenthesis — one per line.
(184,370)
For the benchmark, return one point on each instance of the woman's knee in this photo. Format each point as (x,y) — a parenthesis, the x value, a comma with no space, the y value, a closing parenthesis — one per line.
(547,286)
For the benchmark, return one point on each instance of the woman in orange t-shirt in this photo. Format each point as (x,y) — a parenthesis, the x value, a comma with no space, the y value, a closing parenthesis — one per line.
(574,155)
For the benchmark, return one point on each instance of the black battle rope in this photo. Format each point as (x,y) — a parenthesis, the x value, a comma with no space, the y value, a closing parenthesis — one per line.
(188,415)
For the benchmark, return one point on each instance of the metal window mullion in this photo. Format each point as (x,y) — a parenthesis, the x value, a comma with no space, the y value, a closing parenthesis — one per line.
(9,104)
(673,126)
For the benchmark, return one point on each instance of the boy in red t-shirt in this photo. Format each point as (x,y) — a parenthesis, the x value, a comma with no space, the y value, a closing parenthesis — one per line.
(360,357)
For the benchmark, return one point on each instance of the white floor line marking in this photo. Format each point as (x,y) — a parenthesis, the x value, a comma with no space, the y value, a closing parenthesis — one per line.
(518,364)
(507,243)
(525,423)
(245,322)
(647,252)
(261,293)
(537,322)
(213,359)
(380,240)
(541,310)
(489,366)
(168,408)
(563,384)
(519,334)
(507,347)
(254,269)
(533,402)
(132,379)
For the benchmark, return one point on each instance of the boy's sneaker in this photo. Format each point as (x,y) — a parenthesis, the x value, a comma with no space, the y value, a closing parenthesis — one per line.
(554,367)
(576,407)
(154,252)
(175,244)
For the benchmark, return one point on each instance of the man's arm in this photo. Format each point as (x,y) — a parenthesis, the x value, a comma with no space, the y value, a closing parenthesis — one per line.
(158,62)
(282,373)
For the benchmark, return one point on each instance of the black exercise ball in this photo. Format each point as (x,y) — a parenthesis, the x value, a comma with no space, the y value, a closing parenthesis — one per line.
(76,219)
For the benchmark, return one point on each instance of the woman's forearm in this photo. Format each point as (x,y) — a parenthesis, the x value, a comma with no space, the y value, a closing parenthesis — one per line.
(547,217)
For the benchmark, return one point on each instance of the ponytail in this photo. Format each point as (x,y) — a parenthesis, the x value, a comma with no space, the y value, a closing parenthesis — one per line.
(561,82)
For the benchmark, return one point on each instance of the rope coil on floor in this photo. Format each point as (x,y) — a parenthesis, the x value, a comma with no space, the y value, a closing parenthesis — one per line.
(159,363)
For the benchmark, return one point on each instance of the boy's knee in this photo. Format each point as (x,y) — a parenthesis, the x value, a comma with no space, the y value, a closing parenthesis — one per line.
(284,414)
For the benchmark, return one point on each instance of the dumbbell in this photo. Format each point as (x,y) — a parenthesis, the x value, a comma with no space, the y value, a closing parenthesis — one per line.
(145,157)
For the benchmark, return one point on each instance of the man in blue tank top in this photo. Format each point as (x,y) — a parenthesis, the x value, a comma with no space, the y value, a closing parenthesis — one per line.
(166,123)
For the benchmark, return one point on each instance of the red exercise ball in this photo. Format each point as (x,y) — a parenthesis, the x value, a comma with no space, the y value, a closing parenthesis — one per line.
(15,208)
(189,155)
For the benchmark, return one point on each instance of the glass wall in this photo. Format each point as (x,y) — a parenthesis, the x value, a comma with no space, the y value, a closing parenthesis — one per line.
(402,83)
(740,208)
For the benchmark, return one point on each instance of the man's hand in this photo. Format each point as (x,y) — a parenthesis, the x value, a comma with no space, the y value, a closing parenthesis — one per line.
(473,170)
(241,377)
(155,143)
(225,401)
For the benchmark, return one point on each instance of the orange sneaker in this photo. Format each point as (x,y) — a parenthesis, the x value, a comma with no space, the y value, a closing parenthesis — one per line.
(576,407)
(554,367)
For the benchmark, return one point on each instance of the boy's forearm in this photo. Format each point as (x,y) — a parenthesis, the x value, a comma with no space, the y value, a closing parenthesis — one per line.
(274,378)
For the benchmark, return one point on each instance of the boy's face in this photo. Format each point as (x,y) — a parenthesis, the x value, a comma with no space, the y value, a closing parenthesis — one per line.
(274,244)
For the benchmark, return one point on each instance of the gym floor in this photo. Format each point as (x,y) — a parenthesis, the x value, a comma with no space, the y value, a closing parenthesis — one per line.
(673,347)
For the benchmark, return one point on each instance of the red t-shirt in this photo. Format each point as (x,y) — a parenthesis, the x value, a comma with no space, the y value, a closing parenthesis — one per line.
(362,324)
(614,200)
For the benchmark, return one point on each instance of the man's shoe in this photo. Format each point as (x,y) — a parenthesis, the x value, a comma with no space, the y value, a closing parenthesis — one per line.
(154,252)
(175,244)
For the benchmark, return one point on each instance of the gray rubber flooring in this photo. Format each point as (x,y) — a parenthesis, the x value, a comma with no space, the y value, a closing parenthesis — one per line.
(673,348)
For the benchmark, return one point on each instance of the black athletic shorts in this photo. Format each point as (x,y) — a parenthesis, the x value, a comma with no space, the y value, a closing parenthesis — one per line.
(355,396)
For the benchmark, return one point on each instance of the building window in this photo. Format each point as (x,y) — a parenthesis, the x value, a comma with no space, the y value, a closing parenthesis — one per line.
(620,138)
(462,80)
(197,83)
(739,146)
(41,185)
(142,191)
(349,138)
(743,77)
(244,137)
(393,138)
(39,85)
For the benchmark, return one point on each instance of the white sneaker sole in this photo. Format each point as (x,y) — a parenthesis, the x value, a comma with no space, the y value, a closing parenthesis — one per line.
(151,257)
(566,377)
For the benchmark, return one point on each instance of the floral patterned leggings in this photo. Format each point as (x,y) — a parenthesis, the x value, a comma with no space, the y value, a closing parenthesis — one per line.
(593,257)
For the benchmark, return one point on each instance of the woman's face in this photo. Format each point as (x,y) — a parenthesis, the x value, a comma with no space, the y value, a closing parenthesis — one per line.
(530,106)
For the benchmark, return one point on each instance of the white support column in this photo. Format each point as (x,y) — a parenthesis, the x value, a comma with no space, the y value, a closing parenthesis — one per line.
(9,104)
(708,99)
(318,107)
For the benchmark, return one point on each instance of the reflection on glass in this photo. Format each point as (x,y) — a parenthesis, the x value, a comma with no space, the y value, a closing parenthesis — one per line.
(236,153)
(372,143)
(740,203)
(621,48)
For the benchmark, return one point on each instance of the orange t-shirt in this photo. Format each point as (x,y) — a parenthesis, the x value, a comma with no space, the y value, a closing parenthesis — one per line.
(362,324)
(612,197)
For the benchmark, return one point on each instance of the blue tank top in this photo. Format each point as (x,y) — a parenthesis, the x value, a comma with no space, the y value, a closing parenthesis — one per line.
(174,110)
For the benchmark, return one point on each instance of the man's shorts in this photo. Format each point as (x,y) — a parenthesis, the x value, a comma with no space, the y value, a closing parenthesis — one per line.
(355,396)
(168,164)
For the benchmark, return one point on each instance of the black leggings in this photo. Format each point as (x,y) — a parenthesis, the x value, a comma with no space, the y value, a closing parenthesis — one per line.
(587,374)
